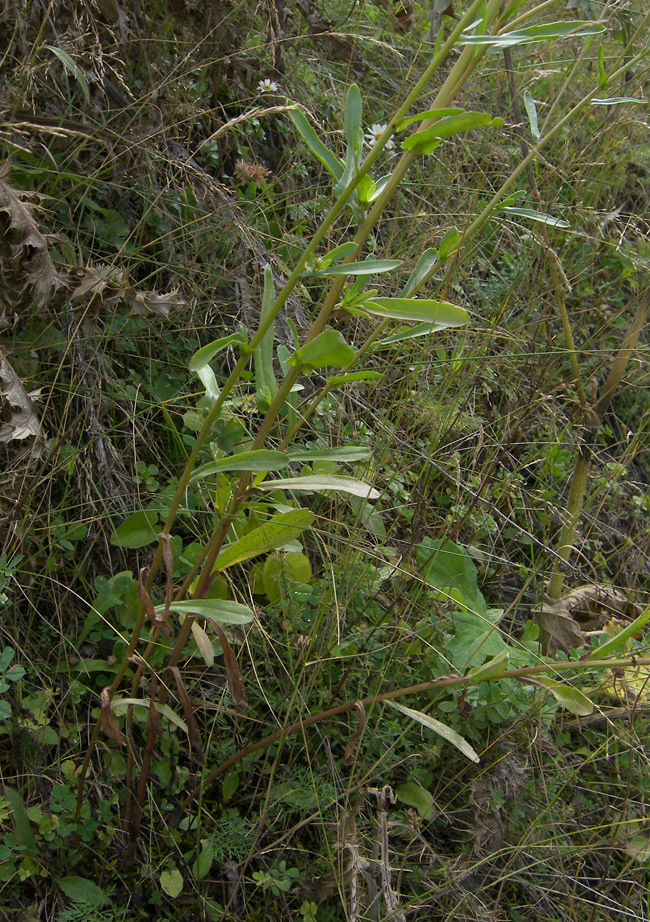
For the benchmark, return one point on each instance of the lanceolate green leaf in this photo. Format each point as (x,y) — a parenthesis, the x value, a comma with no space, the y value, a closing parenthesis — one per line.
(343,454)
(321,483)
(314,143)
(205,355)
(426,141)
(275,533)
(439,314)
(425,263)
(367,267)
(423,116)
(618,100)
(221,610)
(420,329)
(531,111)
(353,116)
(576,28)
(72,68)
(572,699)
(441,729)
(119,705)
(264,459)
(538,216)
(263,358)
(326,349)
(337,380)
(340,252)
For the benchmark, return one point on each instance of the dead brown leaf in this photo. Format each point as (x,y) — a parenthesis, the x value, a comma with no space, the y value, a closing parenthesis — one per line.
(149,302)
(16,408)
(566,622)
(233,674)
(29,263)
(188,711)
(109,723)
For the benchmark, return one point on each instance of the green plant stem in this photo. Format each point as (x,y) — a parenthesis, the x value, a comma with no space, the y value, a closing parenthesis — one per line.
(522,673)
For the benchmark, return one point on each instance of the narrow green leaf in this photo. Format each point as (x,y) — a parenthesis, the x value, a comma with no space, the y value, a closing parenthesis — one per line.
(531,111)
(367,267)
(222,611)
(420,329)
(616,643)
(538,216)
(138,530)
(72,68)
(422,141)
(438,314)
(120,705)
(24,832)
(441,729)
(203,863)
(449,243)
(326,349)
(205,355)
(340,252)
(539,33)
(353,117)
(618,100)
(263,357)
(602,76)
(275,533)
(344,454)
(318,483)
(263,459)
(316,146)
(572,699)
(423,116)
(424,265)
(209,382)
(337,380)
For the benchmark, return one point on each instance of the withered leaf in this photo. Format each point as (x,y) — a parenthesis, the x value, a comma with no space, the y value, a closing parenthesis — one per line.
(149,302)
(16,408)
(109,723)
(147,604)
(564,622)
(233,674)
(188,711)
(104,282)
(31,262)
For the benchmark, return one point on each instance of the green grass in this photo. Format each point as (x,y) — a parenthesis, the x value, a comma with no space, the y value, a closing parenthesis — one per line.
(274,781)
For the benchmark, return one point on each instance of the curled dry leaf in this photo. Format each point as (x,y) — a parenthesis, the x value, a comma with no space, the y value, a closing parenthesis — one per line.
(233,674)
(566,622)
(101,281)
(29,263)
(109,723)
(188,711)
(147,604)
(149,302)
(16,409)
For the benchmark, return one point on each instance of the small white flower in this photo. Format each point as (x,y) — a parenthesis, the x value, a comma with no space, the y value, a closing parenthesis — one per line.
(373,135)
(267,86)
